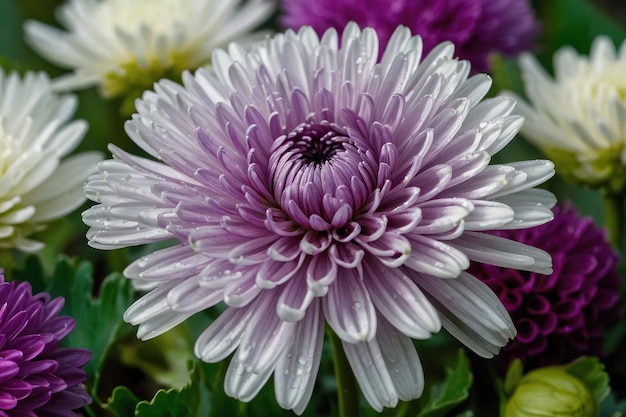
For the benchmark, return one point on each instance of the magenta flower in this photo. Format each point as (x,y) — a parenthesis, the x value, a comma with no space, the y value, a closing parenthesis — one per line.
(37,377)
(303,183)
(561,316)
(478,28)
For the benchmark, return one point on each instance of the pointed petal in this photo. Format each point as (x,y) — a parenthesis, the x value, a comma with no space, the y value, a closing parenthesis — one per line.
(190,297)
(402,362)
(498,251)
(296,371)
(370,371)
(265,336)
(175,262)
(222,337)
(294,299)
(348,308)
(400,301)
(471,312)
(435,258)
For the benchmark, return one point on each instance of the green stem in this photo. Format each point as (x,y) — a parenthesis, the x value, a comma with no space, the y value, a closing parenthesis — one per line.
(346,385)
(614,215)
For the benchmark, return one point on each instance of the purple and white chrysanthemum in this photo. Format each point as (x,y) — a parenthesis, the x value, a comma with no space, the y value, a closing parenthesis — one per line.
(37,377)
(306,183)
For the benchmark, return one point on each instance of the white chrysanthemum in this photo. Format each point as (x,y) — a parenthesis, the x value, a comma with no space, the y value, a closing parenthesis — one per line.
(35,186)
(577,117)
(124,46)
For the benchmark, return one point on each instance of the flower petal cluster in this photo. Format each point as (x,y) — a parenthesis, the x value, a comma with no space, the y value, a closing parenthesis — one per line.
(35,134)
(37,377)
(305,183)
(577,117)
(124,46)
(561,316)
(478,28)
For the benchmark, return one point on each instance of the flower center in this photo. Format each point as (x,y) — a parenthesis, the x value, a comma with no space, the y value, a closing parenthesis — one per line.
(316,143)
(316,175)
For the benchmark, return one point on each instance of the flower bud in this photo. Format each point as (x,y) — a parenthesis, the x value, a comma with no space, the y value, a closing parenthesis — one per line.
(551,391)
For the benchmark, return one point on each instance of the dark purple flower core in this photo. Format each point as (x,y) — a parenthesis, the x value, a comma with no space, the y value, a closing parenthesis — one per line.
(561,316)
(306,168)
(37,377)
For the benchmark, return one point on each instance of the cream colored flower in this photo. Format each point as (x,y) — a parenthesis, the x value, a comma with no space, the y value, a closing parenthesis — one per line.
(35,185)
(123,46)
(578,118)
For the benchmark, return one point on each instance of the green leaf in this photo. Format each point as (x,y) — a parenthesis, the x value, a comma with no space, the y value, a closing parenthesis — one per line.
(122,403)
(177,403)
(591,372)
(98,320)
(452,391)
(611,408)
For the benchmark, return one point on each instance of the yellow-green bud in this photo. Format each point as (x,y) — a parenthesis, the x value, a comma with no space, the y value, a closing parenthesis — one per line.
(551,392)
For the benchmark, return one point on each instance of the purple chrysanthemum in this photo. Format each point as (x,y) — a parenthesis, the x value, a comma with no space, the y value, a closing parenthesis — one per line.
(37,377)
(561,316)
(305,183)
(478,28)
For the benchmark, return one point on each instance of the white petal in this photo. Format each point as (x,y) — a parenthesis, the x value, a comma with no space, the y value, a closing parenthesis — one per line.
(401,302)
(242,384)
(153,314)
(348,308)
(70,174)
(190,297)
(370,371)
(403,363)
(498,251)
(528,174)
(222,337)
(175,262)
(435,257)
(265,337)
(296,370)
(471,312)
(488,215)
